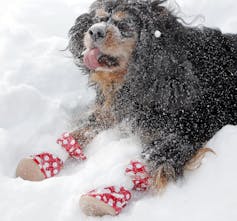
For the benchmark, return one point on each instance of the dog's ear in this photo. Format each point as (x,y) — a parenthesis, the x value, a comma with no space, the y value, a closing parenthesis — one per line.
(162,17)
(77,32)
(156,6)
(154,16)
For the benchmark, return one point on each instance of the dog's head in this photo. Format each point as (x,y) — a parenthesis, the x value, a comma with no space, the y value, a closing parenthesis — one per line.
(105,38)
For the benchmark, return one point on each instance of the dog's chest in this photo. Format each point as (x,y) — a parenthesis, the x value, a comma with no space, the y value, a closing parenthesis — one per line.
(109,84)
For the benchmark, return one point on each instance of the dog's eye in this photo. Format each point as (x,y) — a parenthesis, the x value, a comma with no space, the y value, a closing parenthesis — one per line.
(104,19)
(123,26)
(101,19)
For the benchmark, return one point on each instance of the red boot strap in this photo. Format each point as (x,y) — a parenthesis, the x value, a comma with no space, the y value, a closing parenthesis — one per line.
(139,175)
(71,146)
(116,197)
(49,164)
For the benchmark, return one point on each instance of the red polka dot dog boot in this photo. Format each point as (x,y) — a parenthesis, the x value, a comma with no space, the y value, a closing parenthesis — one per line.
(107,201)
(71,146)
(140,177)
(46,165)
(39,167)
(111,200)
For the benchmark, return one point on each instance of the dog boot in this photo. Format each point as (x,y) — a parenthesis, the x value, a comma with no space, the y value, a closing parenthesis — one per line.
(141,179)
(46,165)
(107,201)
(39,167)
(71,146)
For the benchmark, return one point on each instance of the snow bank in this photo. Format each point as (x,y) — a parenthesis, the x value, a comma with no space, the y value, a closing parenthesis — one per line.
(41,89)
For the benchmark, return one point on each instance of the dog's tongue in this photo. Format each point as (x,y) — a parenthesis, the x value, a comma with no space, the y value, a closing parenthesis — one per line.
(91,59)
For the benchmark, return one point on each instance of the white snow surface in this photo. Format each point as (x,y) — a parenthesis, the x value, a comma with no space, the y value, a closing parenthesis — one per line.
(41,90)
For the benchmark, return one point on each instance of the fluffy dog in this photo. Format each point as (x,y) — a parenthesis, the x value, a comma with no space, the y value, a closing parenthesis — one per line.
(175,86)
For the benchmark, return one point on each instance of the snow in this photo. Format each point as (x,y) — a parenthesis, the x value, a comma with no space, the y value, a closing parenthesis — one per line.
(41,90)
(157,33)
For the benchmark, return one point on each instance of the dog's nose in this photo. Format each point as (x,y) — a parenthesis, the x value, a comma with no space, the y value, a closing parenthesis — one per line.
(97,32)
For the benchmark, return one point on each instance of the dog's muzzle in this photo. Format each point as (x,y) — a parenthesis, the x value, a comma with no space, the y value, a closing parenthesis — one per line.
(93,57)
(97,32)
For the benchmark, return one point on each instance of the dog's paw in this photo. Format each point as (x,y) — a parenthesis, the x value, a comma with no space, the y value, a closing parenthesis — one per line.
(106,201)
(39,167)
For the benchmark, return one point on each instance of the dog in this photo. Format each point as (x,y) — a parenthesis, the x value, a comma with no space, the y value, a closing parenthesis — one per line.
(174,85)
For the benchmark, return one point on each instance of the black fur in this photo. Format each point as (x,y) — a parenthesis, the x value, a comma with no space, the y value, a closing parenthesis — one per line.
(180,89)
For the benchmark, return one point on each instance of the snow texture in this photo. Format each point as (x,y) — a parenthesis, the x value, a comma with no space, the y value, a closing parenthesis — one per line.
(41,91)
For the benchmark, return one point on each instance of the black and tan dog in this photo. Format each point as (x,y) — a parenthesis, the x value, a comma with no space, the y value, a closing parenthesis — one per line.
(176,86)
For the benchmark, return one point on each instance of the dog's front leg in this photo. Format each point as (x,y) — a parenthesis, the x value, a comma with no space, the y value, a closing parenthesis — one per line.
(98,121)
(49,163)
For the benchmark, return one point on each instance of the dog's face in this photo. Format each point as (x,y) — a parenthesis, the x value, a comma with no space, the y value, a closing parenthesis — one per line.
(105,38)
(110,41)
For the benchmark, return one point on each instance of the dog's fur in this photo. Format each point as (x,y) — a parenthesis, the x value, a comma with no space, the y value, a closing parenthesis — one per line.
(175,91)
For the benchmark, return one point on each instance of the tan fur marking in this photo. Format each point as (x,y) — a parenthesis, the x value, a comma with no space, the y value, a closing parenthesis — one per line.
(124,47)
(160,181)
(163,174)
(106,78)
(119,15)
(83,135)
(109,83)
(101,13)
(115,47)
(196,161)
(110,41)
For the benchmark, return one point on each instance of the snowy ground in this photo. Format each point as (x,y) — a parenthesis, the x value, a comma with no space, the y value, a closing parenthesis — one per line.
(40,89)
